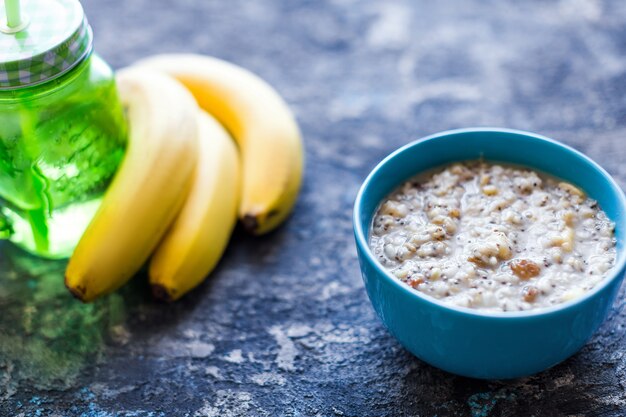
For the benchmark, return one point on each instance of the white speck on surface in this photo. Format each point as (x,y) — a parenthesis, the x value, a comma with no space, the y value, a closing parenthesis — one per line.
(444,90)
(213,371)
(350,105)
(564,380)
(207,411)
(191,334)
(7,385)
(373,141)
(287,351)
(345,334)
(392,28)
(230,403)
(334,342)
(337,411)
(613,400)
(175,348)
(234,356)
(332,289)
(102,390)
(198,349)
(298,330)
(119,334)
(586,9)
(268,378)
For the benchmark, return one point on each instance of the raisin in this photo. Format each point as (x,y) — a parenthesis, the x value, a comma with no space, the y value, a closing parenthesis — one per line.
(415,282)
(530,294)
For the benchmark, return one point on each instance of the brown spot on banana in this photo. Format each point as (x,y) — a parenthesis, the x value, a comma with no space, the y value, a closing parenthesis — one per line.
(252,223)
(78,292)
(162,293)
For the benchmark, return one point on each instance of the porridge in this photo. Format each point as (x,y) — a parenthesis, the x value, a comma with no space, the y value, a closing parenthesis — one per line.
(493,237)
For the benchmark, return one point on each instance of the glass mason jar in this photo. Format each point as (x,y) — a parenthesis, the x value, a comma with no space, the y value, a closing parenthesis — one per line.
(62,137)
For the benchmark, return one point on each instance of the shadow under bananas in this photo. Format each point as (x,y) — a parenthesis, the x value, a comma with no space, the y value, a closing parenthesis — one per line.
(48,339)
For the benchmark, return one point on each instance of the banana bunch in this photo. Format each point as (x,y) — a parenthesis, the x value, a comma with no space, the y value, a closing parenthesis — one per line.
(183,183)
(261,124)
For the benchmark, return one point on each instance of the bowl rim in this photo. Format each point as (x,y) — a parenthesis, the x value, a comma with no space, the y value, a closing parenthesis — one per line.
(363,244)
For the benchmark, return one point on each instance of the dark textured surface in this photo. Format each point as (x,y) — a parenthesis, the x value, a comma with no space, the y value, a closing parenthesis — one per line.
(283,326)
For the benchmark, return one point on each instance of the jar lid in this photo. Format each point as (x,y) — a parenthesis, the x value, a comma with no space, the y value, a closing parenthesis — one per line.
(53,38)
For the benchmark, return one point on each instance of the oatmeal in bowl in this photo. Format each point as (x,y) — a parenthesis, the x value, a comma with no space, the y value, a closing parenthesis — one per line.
(493,237)
(489,269)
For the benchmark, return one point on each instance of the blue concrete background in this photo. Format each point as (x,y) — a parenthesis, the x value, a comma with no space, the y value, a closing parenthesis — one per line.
(283,327)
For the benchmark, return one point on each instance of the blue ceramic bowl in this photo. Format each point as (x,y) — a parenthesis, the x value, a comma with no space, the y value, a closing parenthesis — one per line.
(469,342)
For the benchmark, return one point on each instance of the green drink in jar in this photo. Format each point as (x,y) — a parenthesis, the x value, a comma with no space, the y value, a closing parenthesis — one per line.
(62,127)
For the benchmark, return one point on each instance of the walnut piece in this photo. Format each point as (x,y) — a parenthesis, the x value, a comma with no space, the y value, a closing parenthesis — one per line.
(524,268)
(567,187)
(480,261)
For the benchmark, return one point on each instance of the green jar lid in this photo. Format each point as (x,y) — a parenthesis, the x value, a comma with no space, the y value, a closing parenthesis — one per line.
(52,38)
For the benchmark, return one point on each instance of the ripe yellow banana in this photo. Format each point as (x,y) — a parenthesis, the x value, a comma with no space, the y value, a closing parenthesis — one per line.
(261,123)
(196,240)
(146,192)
